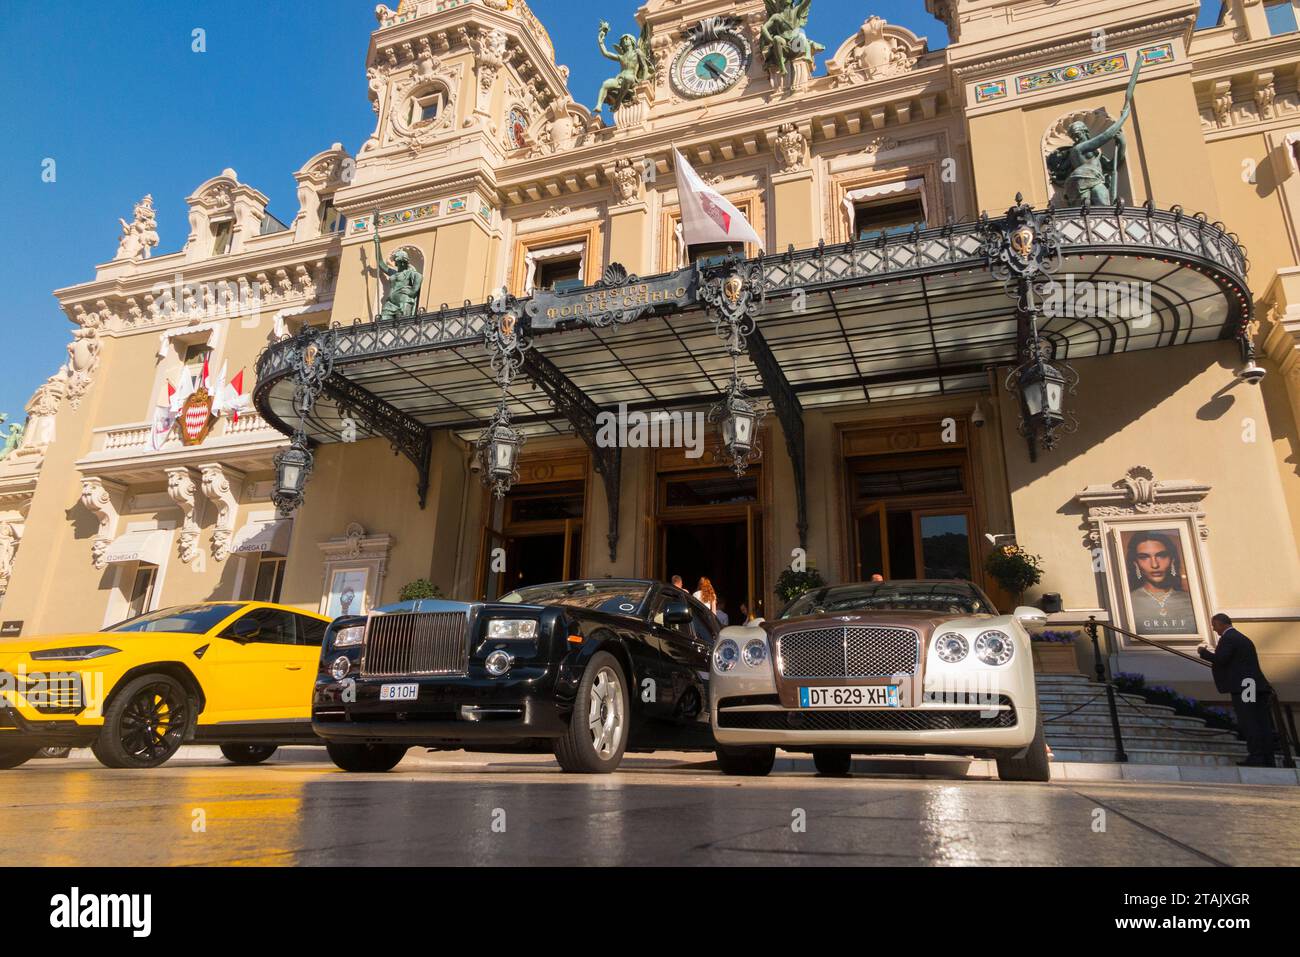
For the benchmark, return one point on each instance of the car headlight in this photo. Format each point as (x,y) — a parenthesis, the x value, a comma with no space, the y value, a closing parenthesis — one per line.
(951,647)
(82,653)
(341,667)
(512,628)
(498,663)
(726,655)
(349,637)
(755,652)
(994,648)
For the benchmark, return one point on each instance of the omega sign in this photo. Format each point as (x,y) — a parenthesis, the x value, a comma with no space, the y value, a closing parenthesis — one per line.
(618,297)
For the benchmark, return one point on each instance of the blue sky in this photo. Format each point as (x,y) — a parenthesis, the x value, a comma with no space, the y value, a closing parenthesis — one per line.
(114,94)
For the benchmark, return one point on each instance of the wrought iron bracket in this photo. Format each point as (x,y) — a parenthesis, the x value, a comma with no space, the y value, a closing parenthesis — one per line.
(786,405)
(407,435)
(576,406)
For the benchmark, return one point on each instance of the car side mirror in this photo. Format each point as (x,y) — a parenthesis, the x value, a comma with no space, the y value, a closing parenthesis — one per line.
(676,613)
(244,631)
(1030,617)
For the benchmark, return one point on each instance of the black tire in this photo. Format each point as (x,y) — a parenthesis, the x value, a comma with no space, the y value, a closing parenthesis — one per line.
(754,762)
(602,698)
(53,752)
(1034,766)
(247,753)
(832,762)
(14,753)
(145,724)
(366,758)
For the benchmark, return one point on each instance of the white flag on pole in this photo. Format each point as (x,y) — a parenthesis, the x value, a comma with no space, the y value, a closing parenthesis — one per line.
(707,217)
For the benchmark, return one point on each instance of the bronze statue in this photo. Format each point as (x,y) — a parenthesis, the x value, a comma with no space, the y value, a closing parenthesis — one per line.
(404,282)
(1086,175)
(783,40)
(636,65)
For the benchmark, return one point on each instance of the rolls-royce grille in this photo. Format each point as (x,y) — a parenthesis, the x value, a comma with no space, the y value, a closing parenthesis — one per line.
(852,652)
(884,719)
(433,643)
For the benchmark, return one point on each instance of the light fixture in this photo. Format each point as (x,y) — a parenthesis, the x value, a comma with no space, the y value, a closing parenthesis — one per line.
(497,451)
(738,417)
(292,469)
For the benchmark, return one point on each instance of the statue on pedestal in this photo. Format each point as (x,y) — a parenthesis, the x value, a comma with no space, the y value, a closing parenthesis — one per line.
(404,282)
(636,66)
(783,39)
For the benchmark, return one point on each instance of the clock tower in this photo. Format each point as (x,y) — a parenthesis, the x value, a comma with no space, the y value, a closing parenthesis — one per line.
(704,48)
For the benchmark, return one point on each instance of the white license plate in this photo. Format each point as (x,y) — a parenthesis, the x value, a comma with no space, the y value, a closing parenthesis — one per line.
(399,692)
(852,696)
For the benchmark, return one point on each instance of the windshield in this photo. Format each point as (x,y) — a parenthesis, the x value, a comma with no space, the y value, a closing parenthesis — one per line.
(186,619)
(950,598)
(616,597)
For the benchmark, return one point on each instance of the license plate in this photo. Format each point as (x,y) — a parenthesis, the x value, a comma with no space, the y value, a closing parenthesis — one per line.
(855,696)
(399,692)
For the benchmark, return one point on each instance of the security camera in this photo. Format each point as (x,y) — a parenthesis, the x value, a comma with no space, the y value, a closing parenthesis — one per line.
(1251,372)
(977,417)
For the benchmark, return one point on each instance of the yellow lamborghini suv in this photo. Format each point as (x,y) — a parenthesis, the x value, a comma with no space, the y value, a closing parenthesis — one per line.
(234,673)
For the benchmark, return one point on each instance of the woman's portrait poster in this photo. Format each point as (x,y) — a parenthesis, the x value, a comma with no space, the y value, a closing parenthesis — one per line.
(1157,586)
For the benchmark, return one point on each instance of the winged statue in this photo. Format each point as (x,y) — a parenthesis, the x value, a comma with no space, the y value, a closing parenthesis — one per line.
(784,41)
(636,65)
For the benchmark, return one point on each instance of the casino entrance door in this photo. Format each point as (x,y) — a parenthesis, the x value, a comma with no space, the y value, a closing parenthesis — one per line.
(709,523)
(536,530)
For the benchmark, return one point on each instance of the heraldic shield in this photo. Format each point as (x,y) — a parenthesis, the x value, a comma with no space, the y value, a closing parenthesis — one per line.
(196,417)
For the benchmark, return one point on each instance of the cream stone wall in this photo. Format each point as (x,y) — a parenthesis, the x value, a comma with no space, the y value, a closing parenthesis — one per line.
(788,155)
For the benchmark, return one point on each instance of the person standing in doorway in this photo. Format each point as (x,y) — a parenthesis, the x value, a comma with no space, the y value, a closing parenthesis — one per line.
(1235,665)
(706,595)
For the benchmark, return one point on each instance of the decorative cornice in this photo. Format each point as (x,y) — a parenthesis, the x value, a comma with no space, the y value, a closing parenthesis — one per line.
(1082,46)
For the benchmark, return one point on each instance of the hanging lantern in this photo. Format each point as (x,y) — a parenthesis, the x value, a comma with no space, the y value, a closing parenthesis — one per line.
(1042,394)
(292,469)
(498,453)
(739,422)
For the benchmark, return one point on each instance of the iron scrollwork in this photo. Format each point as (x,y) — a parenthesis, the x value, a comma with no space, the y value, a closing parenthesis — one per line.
(1023,250)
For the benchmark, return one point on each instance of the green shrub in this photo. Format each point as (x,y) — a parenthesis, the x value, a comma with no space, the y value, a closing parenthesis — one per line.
(420,588)
(792,584)
(1014,568)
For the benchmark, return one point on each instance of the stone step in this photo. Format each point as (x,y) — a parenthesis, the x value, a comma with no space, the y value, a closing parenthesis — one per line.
(1126,720)
(1141,729)
(1083,697)
(1071,741)
(1102,706)
(1053,680)
(1147,756)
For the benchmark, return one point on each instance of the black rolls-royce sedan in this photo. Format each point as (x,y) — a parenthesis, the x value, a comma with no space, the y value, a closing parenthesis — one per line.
(595,668)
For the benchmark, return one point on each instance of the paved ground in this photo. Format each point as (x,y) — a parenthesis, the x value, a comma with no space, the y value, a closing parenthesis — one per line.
(457,808)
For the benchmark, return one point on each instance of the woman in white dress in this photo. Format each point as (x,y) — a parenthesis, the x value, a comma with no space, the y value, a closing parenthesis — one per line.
(707,595)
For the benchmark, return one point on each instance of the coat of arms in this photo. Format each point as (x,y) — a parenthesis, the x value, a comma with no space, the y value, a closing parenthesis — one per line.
(196,417)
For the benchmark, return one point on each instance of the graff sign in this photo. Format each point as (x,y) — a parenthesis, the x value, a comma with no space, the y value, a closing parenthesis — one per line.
(614,299)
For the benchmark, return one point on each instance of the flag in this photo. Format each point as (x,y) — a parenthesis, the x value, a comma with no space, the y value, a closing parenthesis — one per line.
(203,379)
(707,217)
(164,417)
(231,397)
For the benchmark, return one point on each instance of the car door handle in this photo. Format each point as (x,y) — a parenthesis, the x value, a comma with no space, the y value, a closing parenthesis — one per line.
(293,667)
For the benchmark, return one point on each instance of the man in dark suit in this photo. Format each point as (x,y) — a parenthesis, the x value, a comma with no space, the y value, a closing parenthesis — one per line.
(1235,666)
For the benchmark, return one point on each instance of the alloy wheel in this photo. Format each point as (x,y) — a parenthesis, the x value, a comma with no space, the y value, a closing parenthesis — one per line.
(152,724)
(605,716)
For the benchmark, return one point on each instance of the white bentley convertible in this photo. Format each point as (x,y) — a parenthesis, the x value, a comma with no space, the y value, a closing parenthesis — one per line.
(896,667)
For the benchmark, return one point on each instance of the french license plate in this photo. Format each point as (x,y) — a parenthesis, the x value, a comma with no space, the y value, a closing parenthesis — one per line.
(857,696)
(399,692)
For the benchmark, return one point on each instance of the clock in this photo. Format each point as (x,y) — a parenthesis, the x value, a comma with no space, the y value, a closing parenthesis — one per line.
(711,65)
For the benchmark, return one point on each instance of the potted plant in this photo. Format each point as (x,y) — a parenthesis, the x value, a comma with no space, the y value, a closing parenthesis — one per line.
(1053,652)
(792,584)
(1014,569)
(420,588)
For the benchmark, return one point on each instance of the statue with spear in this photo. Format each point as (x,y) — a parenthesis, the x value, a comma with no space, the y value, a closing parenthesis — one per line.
(1089,177)
(404,281)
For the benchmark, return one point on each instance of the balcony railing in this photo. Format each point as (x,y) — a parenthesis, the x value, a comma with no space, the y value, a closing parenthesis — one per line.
(133,439)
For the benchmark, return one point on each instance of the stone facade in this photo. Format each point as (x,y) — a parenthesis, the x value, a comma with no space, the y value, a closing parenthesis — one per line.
(483,162)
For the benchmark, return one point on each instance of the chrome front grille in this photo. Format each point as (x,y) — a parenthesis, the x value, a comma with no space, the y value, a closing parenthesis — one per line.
(852,652)
(431,643)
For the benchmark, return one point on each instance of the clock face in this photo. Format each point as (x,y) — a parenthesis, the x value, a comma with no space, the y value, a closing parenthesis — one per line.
(710,67)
